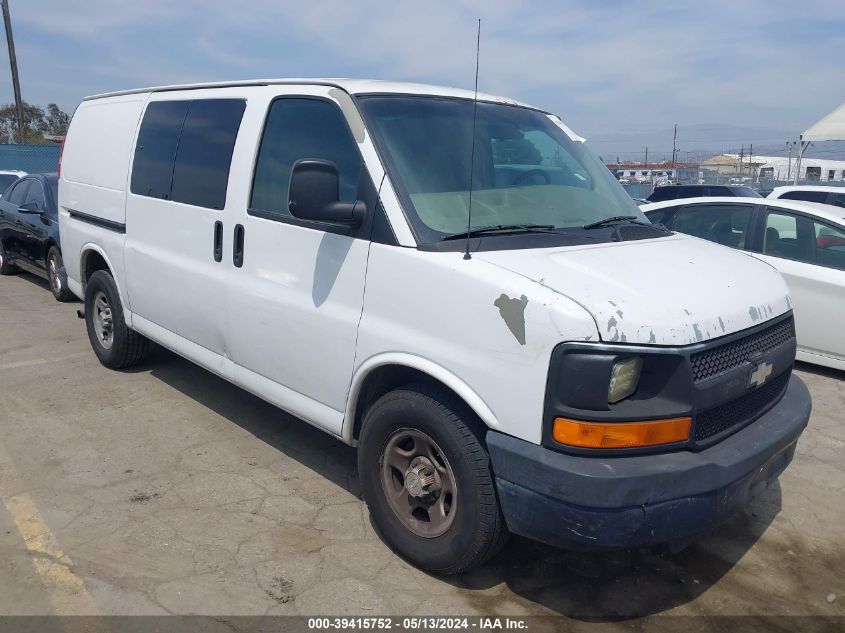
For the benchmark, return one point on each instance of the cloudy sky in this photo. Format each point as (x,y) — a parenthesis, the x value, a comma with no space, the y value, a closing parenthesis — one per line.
(606,67)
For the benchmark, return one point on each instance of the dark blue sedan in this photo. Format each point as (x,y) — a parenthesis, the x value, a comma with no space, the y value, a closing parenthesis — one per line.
(29,231)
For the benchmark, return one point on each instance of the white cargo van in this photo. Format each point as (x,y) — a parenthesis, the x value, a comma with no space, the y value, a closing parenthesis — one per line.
(581,377)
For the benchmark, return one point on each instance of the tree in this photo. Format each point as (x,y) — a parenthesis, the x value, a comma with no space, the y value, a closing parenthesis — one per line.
(35,122)
(56,122)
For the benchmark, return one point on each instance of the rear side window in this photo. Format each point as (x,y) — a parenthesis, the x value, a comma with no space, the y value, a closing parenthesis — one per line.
(662,193)
(807,196)
(745,192)
(184,151)
(299,128)
(152,170)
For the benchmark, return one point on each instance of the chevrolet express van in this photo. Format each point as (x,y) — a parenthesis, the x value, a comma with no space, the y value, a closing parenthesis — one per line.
(457,287)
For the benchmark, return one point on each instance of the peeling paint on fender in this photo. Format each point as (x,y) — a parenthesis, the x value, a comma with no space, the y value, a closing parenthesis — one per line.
(513,314)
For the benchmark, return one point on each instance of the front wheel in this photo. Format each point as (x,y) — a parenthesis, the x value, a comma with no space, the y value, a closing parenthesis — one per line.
(57,277)
(426,476)
(6,266)
(113,342)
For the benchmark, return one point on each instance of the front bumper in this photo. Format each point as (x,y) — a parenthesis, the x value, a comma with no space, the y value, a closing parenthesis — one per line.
(628,501)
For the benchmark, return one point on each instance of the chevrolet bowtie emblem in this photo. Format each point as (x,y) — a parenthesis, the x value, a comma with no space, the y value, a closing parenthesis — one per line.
(760,374)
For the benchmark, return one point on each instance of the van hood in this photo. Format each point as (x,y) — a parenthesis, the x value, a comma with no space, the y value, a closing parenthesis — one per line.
(673,290)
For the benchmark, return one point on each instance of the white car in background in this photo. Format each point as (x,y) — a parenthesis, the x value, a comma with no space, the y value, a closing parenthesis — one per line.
(805,241)
(7,177)
(834,196)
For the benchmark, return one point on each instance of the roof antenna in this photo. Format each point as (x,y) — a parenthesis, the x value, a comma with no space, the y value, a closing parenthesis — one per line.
(472,152)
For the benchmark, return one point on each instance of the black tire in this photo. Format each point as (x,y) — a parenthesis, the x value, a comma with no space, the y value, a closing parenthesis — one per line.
(57,277)
(478,530)
(126,347)
(6,267)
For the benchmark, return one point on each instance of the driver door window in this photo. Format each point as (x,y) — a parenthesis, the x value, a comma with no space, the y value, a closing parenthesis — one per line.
(17,195)
(35,194)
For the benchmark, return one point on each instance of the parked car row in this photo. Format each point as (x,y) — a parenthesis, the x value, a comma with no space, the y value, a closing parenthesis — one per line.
(29,231)
(804,241)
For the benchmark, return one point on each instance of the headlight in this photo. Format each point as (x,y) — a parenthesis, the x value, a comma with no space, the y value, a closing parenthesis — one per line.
(624,378)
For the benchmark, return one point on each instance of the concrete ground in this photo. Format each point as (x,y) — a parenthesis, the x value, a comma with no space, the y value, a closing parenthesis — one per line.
(166,490)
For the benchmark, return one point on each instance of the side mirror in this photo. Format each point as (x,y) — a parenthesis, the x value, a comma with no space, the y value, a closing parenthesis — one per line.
(315,194)
(29,208)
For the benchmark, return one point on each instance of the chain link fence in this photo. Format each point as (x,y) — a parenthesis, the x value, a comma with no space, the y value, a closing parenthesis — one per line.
(32,159)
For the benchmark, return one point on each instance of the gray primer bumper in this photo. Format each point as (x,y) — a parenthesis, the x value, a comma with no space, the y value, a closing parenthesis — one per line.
(577,501)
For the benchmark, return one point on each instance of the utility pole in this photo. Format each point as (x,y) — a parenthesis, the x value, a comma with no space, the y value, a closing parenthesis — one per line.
(674,138)
(13,61)
(741,157)
(750,157)
(789,144)
(646,155)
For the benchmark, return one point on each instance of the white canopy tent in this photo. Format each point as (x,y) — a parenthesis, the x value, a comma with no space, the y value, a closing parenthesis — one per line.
(830,128)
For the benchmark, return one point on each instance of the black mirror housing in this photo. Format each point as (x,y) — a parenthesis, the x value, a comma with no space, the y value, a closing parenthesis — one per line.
(315,194)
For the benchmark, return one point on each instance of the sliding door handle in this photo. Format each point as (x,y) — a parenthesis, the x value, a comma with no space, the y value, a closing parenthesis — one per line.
(218,241)
(238,250)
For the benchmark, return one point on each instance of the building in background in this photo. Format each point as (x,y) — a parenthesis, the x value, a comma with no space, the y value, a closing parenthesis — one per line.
(775,167)
(655,173)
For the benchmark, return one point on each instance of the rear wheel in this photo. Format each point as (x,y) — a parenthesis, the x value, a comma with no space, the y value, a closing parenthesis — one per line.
(426,477)
(115,345)
(57,277)
(6,266)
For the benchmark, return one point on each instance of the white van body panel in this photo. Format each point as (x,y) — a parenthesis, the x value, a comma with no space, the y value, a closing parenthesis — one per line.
(95,170)
(473,320)
(624,286)
(310,314)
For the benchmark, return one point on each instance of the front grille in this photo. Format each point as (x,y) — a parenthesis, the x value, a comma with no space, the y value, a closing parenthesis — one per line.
(718,360)
(730,414)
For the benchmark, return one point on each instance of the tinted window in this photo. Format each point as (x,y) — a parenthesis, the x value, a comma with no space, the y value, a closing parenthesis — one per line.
(662,193)
(721,223)
(299,128)
(6,180)
(184,150)
(659,216)
(204,155)
(17,194)
(152,170)
(808,196)
(35,194)
(837,199)
(745,192)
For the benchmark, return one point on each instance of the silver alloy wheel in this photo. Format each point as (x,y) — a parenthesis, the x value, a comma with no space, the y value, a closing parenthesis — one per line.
(103,324)
(418,483)
(55,280)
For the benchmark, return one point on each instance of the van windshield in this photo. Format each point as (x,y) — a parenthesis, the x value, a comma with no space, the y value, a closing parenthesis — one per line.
(527,170)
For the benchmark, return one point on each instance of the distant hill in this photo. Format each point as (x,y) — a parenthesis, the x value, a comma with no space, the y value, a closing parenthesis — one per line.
(697,142)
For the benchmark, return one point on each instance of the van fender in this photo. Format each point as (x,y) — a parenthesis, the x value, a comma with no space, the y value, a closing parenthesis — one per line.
(91,246)
(426,366)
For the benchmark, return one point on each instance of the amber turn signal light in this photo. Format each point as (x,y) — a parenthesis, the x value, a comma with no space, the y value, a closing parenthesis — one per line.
(621,434)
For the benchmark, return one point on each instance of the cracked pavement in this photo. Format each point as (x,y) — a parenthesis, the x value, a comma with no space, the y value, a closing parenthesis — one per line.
(164,490)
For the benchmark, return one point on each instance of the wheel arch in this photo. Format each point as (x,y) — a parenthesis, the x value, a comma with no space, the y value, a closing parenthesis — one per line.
(94,258)
(381,374)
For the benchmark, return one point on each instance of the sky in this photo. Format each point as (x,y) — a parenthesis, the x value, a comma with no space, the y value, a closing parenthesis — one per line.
(608,68)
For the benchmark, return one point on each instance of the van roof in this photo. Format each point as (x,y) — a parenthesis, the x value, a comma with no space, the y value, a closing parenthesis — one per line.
(352,86)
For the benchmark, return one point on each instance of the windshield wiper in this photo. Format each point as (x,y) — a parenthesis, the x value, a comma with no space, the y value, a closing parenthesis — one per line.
(611,220)
(501,228)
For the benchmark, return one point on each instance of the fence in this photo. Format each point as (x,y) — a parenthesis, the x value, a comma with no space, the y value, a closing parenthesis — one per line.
(32,159)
